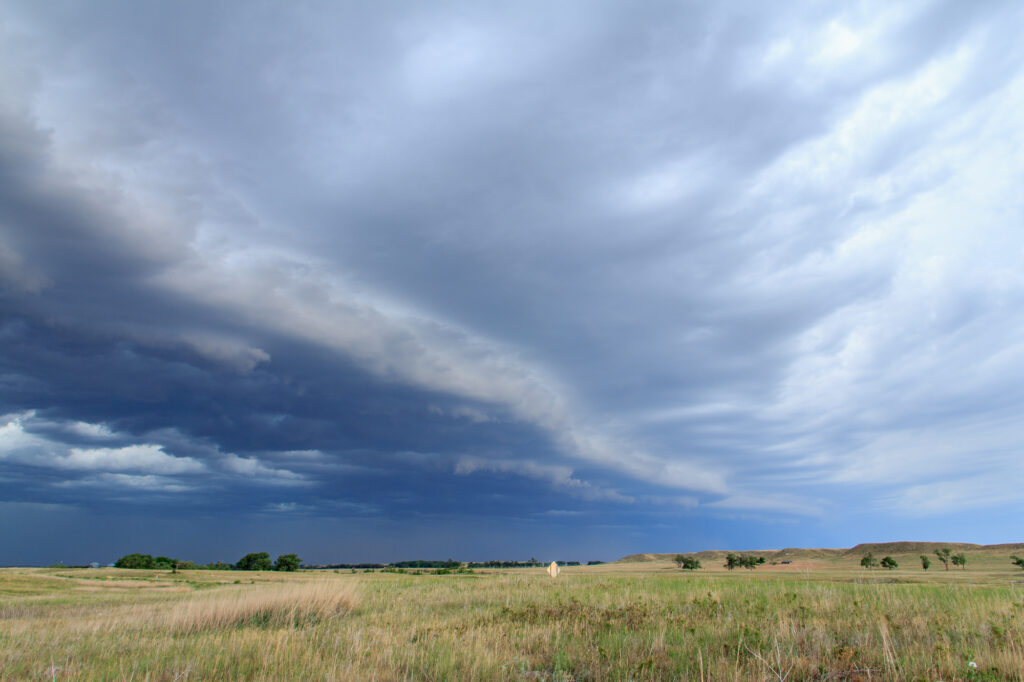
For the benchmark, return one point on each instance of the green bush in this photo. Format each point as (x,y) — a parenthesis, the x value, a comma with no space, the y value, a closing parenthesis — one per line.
(255,561)
(135,561)
(287,562)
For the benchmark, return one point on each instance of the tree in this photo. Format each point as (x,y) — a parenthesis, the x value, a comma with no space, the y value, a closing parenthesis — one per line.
(218,566)
(943,555)
(732,561)
(1017,561)
(868,561)
(925,562)
(135,561)
(960,560)
(889,563)
(687,563)
(256,561)
(164,562)
(287,562)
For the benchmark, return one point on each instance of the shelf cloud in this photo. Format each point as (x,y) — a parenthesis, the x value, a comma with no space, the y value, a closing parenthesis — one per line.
(709,275)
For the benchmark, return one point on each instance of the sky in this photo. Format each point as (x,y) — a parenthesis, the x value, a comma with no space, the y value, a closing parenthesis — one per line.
(383,281)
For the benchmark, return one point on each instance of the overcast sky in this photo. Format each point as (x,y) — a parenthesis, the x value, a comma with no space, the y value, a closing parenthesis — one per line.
(379,281)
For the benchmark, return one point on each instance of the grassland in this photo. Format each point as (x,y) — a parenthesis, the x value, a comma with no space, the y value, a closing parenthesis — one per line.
(821,617)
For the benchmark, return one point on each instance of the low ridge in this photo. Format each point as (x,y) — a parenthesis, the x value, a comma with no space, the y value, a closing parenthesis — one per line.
(878,548)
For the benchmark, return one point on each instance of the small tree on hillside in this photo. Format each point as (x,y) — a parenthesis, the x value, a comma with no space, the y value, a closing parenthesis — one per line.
(679,559)
(943,555)
(690,563)
(925,562)
(869,561)
(1017,561)
(889,563)
(732,561)
(960,560)
(255,561)
(287,562)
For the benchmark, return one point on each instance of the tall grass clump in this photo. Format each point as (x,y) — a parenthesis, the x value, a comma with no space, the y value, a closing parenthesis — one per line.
(274,606)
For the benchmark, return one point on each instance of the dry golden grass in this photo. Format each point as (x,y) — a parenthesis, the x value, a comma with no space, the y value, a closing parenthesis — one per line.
(282,605)
(591,623)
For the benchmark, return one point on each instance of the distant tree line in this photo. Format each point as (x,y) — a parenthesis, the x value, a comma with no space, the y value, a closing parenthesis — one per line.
(256,561)
(424,563)
(945,555)
(742,561)
(453,564)
(260,561)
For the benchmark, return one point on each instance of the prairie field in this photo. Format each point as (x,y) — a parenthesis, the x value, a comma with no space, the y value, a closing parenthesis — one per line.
(820,617)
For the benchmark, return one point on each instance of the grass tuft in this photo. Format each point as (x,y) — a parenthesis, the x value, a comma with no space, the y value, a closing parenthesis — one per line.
(276,606)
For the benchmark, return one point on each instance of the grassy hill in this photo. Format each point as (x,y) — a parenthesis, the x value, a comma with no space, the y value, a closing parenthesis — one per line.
(906,553)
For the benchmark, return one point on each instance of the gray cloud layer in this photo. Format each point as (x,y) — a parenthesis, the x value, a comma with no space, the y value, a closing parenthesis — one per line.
(748,257)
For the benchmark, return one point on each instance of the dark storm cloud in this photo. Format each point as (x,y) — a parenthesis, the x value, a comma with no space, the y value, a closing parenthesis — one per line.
(364,261)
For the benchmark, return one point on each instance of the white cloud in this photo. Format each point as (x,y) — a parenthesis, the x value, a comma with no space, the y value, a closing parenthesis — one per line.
(230,352)
(961,493)
(254,468)
(769,502)
(836,161)
(96,431)
(20,445)
(145,457)
(147,463)
(139,482)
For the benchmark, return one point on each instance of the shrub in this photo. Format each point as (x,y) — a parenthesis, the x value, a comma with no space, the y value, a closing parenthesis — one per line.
(687,563)
(255,561)
(164,562)
(217,566)
(746,561)
(287,562)
(135,561)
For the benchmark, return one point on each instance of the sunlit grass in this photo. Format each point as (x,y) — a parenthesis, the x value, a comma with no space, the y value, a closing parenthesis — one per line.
(614,623)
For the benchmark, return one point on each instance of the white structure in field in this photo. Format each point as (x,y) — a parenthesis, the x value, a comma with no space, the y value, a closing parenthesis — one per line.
(553,570)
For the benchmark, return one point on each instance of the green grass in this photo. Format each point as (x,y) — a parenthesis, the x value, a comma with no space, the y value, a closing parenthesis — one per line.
(643,621)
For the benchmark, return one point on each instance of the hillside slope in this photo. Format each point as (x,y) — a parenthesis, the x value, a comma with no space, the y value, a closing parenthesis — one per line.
(825,554)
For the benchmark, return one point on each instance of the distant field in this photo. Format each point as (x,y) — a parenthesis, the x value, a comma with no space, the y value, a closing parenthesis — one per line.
(821,617)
